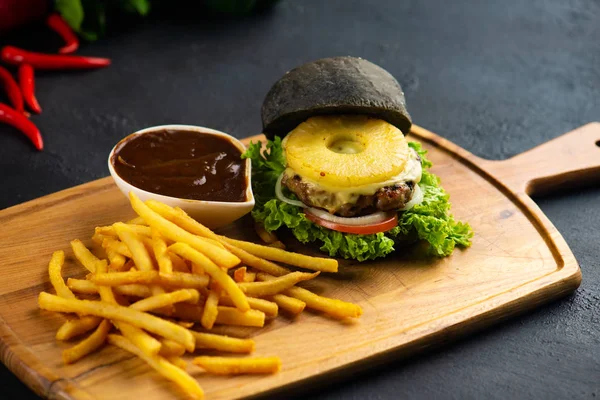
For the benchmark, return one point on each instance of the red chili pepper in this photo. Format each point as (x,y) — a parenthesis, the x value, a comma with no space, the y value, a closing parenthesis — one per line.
(15,56)
(12,89)
(27,83)
(59,25)
(18,120)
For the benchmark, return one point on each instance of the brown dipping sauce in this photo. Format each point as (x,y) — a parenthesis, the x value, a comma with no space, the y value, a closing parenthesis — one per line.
(184,164)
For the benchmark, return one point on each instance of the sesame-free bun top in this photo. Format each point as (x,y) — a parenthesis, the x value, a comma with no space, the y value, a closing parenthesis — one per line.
(333,86)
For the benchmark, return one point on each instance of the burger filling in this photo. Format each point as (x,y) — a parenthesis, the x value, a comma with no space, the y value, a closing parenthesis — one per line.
(393,194)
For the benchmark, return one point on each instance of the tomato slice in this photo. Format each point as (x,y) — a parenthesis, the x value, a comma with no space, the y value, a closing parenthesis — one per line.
(382,226)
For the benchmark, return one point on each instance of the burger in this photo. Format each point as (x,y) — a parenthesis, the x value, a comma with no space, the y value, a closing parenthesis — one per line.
(337,169)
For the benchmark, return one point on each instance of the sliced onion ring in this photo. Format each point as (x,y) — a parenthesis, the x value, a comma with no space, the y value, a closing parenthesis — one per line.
(417,198)
(281,197)
(370,219)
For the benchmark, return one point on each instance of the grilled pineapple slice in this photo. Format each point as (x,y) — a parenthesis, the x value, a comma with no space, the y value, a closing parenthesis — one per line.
(346,151)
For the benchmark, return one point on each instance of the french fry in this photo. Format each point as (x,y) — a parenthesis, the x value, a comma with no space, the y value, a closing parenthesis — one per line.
(289,304)
(162,366)
(132,239)
(239,274)
(134,290)
(147,241)
(209,315)
(204,239)
(140,229)
(278,245)
(169,230)
(117,261)
(178,362)
(85,257)
(138,337)
(178,263)
(250,276)
(188,312)
(214,242)
(105,292)
(179,217)
(137,221)
(223,343)
(287,257)
(87,345)
(333,307)
(128,281)
(165,265)
(216,273)
(184,280)
(170,348)
(268,307)
(166,299)
(274,286)
(255,262)
(242,275)
(105,231)
(99,238)
(158,290)
(82,286)
(198,270)
(164,273)
(89,287)
(55,272)
(237,366)
(175,215)
(233,316)
(186,324)
(77,326)
(139,319)
(125,278)
(115,246)
(265,236)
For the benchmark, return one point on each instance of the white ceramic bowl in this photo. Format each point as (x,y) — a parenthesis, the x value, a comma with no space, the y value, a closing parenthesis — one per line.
(213,214)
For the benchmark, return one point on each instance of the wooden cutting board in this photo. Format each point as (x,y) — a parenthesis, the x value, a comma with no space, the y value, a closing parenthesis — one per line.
(518,261)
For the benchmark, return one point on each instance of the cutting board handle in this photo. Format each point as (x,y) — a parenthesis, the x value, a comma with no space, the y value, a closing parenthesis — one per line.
(571,160)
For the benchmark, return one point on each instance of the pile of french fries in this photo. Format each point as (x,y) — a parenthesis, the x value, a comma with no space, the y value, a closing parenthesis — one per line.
(165,280)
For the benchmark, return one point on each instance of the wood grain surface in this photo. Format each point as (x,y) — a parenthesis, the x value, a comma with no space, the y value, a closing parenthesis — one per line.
(518,261)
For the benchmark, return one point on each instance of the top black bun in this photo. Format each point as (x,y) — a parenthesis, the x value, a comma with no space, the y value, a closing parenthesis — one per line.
(336,85)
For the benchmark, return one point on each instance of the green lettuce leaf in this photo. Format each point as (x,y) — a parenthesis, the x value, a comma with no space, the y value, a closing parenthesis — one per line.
(430,221)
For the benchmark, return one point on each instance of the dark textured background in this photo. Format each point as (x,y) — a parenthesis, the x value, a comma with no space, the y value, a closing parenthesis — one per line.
(495,77)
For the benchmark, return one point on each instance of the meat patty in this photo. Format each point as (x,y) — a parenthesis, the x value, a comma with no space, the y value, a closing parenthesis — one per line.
(387,198)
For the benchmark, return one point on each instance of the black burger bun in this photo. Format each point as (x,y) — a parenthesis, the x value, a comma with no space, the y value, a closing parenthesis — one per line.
(336,85)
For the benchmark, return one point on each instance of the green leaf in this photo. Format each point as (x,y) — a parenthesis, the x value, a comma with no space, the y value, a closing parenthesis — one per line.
(89,35)
(429,221)
(267,165)
(141,6)
(71,11)
(94,24)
